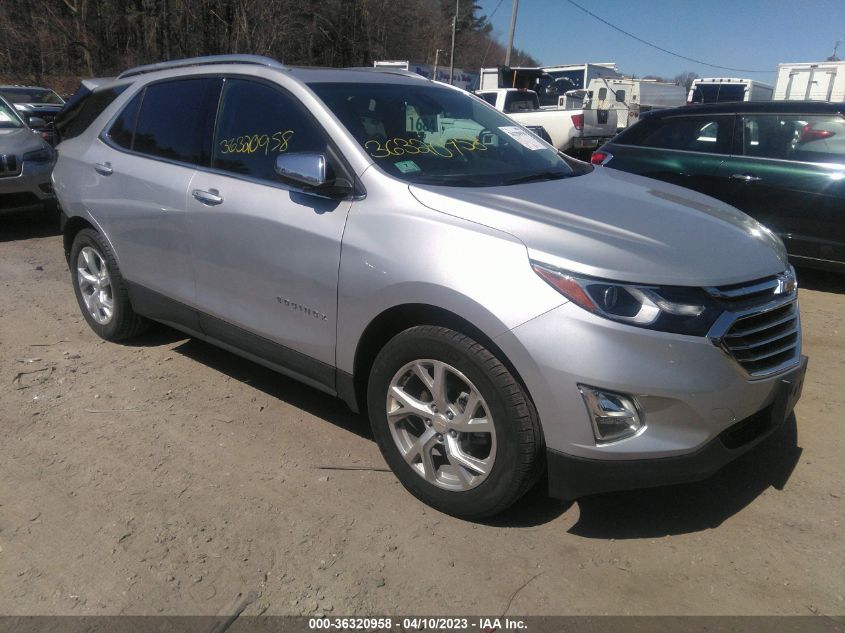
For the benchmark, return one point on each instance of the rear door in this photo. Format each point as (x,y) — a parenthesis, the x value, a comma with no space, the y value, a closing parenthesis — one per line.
(788,172)
(682,150)
(140,170)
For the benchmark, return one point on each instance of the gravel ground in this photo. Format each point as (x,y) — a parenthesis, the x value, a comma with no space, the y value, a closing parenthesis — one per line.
(166,476)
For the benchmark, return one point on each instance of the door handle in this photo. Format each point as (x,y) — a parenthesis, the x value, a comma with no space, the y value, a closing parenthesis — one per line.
(746,177)
(103,169)
(211,197)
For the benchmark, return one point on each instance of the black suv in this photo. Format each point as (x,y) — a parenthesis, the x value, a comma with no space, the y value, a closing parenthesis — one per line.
(782,162)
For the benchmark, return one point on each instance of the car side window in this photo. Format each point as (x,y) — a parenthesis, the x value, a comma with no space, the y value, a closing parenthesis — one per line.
(799,137)
(258,122)
(176,120)
(122,131)
(710,134)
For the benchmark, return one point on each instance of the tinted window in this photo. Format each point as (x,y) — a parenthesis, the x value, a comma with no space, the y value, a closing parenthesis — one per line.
(176,120)
(123,128)
(257,122)
(801,137)
(718,93)
(75,121)
(489,97)
(710,134)
(521,102)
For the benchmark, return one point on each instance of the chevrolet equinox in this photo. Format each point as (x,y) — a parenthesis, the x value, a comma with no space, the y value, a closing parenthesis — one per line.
(500,311)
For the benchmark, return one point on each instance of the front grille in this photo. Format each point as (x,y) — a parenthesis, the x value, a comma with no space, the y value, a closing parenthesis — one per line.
(763,333)
(9,165)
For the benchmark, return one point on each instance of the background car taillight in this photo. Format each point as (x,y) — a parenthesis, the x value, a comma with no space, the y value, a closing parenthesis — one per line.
(600,158)
(578,121)
(810,134)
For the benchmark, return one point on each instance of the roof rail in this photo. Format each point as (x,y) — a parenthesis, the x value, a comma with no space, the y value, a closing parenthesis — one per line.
(257,60)
(390,70)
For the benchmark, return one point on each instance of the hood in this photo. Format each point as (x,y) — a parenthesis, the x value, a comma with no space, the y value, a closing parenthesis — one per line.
(623,227)
(20,140)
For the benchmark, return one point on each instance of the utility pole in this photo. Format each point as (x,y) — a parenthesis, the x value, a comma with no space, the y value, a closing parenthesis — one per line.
(437,52)
(452,56)
(511,32)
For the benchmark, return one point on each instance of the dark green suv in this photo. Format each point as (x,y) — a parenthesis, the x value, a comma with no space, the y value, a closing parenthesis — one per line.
(781,162)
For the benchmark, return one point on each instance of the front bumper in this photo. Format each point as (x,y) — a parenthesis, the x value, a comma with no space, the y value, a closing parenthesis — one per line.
(571,477)
(690,392)
(31,190)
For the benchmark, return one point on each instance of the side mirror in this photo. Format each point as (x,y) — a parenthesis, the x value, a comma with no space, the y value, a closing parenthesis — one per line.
(36,122)
(310,172)
(302,169)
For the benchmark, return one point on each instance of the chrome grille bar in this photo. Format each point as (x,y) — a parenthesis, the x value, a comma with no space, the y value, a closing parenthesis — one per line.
(760,328)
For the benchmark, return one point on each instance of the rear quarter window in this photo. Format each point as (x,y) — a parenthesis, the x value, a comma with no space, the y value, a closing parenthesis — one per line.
(76,120)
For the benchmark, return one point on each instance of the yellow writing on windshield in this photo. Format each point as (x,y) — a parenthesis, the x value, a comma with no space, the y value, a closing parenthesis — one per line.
(253,143)
(413,147)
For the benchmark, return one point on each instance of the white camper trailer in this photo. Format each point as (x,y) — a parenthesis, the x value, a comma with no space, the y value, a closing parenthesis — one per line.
(631,97)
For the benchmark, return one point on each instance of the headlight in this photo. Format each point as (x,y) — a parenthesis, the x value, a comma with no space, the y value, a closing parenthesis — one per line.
(43,155)
(679,309)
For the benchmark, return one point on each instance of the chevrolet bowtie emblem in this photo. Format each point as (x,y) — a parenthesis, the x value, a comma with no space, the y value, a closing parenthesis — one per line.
(786,283)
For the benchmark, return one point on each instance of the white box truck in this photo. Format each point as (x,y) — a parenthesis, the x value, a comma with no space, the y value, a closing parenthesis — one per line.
(724,89)
(821,81)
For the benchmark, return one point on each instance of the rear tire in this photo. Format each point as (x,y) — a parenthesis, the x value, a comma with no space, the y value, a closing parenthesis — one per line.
(100,290)
(453,423)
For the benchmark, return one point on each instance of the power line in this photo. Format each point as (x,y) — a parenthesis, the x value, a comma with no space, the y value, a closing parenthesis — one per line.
(660,48)
(490,43)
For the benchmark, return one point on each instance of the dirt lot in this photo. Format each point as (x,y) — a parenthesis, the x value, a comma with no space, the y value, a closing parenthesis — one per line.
(166,476)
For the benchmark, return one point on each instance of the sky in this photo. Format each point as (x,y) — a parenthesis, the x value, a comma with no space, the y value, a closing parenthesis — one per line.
(744,34)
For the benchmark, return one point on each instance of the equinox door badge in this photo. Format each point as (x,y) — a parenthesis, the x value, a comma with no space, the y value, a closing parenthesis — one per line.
(322,316)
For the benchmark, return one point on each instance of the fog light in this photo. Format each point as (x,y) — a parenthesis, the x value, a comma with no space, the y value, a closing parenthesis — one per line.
(615,416)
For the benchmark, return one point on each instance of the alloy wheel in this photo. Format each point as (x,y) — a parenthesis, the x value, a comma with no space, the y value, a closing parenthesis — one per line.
(95,285)
(441,425)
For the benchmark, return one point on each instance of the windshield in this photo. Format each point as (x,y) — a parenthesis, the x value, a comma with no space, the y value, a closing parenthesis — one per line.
(32,95)
(427,134)
(9,119)
(718,93)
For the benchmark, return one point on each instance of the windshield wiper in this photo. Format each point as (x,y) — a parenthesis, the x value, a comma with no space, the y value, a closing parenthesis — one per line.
(540,175)
(455,180)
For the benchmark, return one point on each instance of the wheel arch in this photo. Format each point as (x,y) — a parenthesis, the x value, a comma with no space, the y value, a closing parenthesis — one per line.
(399,318)
(70,228)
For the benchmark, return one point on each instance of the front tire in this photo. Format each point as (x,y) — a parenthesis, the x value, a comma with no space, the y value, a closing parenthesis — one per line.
(453,423)
(100,290)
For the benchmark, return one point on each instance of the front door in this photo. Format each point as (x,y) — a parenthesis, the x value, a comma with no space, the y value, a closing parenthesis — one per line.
(266,258)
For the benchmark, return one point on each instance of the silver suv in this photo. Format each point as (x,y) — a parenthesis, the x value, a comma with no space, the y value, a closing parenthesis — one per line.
(501,312)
